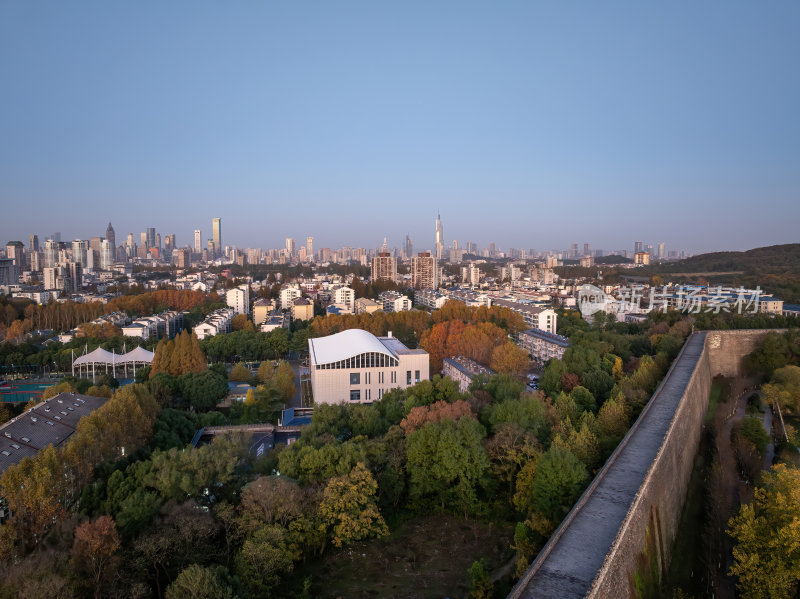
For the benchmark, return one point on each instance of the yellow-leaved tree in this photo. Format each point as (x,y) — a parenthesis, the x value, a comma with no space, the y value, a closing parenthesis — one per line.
(767,534)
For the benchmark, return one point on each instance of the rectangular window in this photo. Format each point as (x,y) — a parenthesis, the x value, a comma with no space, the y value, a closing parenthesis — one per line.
(355,395)
(416,376)
(355,378)
(408,377)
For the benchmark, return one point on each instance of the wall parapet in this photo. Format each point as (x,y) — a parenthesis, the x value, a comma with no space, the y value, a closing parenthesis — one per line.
(633,506)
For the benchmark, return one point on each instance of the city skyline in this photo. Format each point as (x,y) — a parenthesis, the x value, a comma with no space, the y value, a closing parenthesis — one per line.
(153,237)
(525,126)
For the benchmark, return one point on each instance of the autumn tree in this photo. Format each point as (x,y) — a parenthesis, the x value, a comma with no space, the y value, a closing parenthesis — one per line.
(94,550)
(510,359)
(241,322)
(767,552)
(440,410)
(179,356)
(240,373)
(34,490)
(348,508)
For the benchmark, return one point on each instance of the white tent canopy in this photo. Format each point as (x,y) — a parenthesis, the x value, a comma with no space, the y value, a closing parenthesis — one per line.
(100,358)
(138,354)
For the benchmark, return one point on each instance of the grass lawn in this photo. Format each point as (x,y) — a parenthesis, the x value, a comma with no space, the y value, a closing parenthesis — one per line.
(424,557)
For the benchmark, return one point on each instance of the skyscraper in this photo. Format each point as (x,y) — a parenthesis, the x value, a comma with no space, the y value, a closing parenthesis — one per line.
(290,247)
(34,246)
(16,251)
(216,234)
(439,237)
(198,241)
(409,247)
(112,238)
(310,249)
(106,255)
(151,237)
(79,252)
(637,247)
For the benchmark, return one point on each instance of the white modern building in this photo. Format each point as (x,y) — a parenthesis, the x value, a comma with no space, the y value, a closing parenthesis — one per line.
(345,296)
(392,301)
(219,321)
(356,366)
(238,298)
(289,293)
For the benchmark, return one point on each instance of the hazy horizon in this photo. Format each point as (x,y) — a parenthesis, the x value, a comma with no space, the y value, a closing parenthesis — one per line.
(529,125)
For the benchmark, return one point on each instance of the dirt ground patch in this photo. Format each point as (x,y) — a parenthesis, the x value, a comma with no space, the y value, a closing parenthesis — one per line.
(425,557)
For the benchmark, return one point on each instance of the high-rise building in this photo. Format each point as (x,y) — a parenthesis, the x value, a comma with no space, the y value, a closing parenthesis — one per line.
(216,233)
(182,257)
(15,250)
(79,248)
(310,248)
(291,246)
(661,253)
(107,255)
(151,238)
(9,275)
(112,238)
(424,271)
(75,274)
(637,247)
(198,241)
(409,249)
(586,249)
(158,241)
(439,238)
(50,253)
(34,243)
(384,267)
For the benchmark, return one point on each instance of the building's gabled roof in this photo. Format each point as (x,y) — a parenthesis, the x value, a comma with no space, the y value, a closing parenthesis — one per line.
(344,345)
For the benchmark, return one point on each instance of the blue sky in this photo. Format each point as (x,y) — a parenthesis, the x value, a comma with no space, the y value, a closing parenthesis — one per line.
(530,124)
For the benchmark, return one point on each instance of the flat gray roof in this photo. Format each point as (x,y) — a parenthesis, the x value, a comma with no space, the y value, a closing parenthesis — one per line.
(50,422)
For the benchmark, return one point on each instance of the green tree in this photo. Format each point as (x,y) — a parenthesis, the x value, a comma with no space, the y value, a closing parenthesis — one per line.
(199,582)
(559,480)
(445,462)
(203,390)
(767,535)
(263,559)
(583,399)
(480,587)
(349,510)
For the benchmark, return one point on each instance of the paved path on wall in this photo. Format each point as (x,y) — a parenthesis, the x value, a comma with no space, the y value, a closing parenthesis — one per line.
(567,565)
